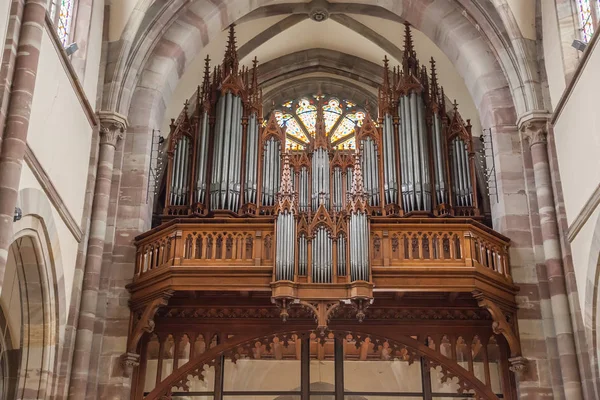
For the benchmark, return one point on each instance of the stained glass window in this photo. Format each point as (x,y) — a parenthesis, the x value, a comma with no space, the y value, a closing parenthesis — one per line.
(585,17)
(331,113)
(308,115)
(340,117)
(61,12)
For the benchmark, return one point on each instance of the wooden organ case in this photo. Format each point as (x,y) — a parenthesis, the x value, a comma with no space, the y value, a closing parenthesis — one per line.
(321,233)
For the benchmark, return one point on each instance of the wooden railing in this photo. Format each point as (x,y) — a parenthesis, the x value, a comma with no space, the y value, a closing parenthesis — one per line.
(224,243)
(429,243)
(427,246)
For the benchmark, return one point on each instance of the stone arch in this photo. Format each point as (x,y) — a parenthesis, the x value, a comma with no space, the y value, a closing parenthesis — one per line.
(591,311)
(36,294)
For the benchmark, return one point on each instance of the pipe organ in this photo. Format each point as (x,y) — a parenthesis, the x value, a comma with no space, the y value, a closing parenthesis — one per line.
(320,166)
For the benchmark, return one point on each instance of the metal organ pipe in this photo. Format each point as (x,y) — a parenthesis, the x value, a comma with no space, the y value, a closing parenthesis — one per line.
(320,178)
(337,189)
(272,171)
(225,180)
(424,155)
(341,256)
(322,254)
(440,161)
(371,171)
(251,157)
(414,154)
(390,180)
(359,247)
(286,233)
(201,159)
(303,192)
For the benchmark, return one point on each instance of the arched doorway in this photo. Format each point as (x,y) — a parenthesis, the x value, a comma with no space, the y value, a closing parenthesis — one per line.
(340,364)
(27,322)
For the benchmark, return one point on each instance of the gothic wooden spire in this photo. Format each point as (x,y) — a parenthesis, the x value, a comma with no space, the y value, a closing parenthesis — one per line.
(385,90)
(230,60)
(435,89)
(206,80)
(320,133)
(357,197)
(409,59)
(286,198)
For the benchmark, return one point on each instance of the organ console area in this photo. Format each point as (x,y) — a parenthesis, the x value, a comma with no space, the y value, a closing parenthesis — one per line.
(323,203)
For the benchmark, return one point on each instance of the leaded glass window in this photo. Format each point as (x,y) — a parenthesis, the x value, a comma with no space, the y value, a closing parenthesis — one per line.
(340,118)
(61,12)
(585,11)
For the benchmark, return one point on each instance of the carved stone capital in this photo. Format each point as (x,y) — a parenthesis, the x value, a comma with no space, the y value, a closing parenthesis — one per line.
(518,365)
(129,361)
(112,127)
(534,127)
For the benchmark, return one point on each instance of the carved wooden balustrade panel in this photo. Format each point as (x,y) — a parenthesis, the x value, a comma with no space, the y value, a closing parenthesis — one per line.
(427,243)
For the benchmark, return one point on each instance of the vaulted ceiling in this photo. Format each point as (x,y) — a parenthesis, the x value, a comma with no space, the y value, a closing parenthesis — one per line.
(336,47)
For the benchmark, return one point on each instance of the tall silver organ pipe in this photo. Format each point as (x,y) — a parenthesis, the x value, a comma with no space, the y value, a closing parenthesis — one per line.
(370,171)
(337,190)
(302,255)
(225,181)
(201,160)
(181,172)
(390,180)
(341,255)
(322,256)
(250,184)
(414,154)
(303,190)
(359,247)
(286,237)
(441,186)
(320,178)
(349,178)
(271,171)
(461,178)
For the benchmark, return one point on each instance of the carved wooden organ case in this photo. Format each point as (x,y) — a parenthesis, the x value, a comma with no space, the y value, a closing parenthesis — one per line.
(319,202)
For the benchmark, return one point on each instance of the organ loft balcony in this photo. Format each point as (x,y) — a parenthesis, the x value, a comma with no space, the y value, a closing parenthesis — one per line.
(321,203)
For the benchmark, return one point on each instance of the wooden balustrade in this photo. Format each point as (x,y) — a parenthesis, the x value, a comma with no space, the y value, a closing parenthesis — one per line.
(205,245)
(233,254)
(430,244)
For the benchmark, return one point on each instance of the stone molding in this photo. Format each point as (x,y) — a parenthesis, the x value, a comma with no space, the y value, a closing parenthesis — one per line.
(112,127)
(53,195)
(584,215)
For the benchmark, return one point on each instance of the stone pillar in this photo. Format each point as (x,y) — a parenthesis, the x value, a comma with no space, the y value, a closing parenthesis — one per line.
(18,113)
(112,127)
(534,128)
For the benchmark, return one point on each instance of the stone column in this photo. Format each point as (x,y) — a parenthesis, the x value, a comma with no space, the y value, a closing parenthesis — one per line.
(534,128)
(18,113)
(112,127)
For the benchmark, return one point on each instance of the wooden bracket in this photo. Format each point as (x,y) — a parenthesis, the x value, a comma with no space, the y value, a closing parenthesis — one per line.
(322,310)
(502,327)
(145,321)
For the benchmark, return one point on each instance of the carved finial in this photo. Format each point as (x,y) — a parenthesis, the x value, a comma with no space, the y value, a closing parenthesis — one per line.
(386,73)
(435,89)
(320,133)
(230,60)
(206,79)
(409,61)
(455,106)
